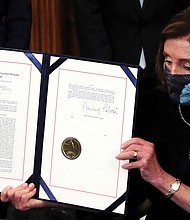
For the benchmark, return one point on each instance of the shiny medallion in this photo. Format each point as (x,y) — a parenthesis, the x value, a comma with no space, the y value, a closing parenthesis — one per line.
(71,148)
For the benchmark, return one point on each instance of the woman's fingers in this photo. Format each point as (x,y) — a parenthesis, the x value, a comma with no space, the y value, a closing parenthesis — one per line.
(4,196)
(19,196)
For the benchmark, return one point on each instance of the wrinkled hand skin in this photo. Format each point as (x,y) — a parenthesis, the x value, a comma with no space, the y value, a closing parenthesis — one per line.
(146,158)
(21,196)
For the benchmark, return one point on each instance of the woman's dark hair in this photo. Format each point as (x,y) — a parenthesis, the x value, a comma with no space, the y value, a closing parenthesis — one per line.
(179,26)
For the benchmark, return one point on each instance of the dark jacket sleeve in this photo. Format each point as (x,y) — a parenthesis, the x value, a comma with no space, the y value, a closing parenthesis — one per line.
(17,24)
(93,39)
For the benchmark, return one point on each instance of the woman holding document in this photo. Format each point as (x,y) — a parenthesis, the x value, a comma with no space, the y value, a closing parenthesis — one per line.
(160,149)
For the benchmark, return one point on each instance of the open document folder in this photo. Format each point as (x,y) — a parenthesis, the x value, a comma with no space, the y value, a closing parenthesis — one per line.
(63,120)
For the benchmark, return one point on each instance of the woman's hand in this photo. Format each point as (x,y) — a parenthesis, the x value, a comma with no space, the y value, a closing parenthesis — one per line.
(145,158)
(21,197)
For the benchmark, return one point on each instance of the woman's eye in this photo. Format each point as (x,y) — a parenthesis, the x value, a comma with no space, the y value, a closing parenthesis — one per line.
(187,66)
(168,62)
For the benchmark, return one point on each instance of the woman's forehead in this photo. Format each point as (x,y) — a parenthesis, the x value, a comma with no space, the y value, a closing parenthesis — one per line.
(178,48)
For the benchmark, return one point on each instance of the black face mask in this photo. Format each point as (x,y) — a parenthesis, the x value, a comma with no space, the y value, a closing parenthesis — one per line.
(178,87)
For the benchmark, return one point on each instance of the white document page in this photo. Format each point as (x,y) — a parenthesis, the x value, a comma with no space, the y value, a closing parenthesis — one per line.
(19,99)
(92,103)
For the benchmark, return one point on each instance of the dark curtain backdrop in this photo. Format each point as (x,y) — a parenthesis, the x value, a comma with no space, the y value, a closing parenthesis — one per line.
(53,28)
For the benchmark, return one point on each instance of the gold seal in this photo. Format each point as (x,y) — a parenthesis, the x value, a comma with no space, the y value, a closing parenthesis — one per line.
(71,148)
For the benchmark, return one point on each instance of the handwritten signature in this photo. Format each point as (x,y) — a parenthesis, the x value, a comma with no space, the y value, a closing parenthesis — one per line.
(97,111)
